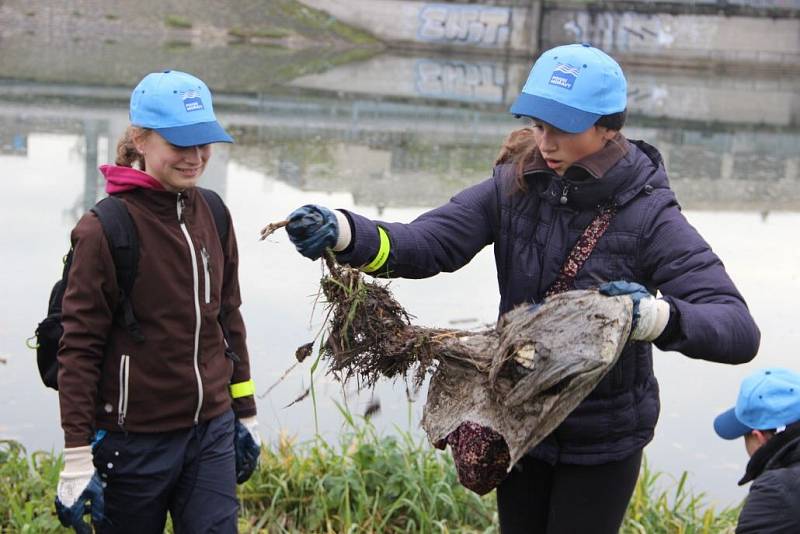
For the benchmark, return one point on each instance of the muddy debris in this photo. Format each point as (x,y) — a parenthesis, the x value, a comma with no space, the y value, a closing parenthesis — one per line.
(494,393)
(303,352)
(372,409)
(370,335)
(300,397)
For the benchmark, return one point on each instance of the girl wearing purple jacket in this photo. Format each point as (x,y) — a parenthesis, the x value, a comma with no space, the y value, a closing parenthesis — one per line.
(570,170)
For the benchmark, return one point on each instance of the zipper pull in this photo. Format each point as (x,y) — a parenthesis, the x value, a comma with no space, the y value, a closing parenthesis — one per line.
(564,192)
(181,205)
(206,258)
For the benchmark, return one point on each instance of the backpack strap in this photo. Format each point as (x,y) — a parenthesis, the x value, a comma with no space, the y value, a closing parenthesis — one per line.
(221,221)
(218,211)
(123,240)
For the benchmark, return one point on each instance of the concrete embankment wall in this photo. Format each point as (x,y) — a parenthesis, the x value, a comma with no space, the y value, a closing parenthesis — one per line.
(487,26)
(679,39)
(673,34)
(727,99)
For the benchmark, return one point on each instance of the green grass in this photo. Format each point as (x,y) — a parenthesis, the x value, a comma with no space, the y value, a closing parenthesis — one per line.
(177,45)
(27,489)
(365,482)
(176,21)
(261,33)
(654,511)
(312,20)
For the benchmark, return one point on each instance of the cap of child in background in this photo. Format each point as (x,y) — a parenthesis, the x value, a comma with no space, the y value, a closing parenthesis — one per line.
(768,399)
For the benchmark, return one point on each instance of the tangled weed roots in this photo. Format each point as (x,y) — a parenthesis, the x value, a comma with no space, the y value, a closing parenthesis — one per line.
(370,334)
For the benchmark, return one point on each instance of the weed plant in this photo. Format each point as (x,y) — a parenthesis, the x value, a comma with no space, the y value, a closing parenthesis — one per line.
(28,489)
(365,483)
(654,511)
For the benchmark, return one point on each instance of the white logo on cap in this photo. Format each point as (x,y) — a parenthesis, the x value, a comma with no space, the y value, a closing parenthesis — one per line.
(192,101)
(564,75)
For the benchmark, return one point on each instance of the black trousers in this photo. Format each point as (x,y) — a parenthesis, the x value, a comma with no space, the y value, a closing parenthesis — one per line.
(189,473)
(539,498)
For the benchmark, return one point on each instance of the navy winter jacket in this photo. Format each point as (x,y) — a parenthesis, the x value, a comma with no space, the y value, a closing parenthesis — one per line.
(773,504)
(648,241)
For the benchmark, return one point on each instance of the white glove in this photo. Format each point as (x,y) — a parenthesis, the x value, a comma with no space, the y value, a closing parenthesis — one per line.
(75,477)
(251,424)
(345,233)
(653,318)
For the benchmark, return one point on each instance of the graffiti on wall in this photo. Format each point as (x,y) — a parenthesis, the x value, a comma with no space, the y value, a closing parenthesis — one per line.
(460,80)
(461,24)
(622,31)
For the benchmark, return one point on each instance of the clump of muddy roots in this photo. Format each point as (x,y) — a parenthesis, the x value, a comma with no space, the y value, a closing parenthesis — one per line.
(370,335)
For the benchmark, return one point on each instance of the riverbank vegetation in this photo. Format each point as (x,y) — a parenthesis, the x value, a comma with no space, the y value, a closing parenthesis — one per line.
(365,482)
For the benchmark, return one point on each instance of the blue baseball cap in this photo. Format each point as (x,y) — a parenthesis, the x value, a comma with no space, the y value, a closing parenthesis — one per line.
(572,86)
(178,106)
(769,398)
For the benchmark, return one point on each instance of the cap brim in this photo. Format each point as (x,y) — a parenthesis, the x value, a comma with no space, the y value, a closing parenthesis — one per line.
(195,134)
(727,426)
(563,117)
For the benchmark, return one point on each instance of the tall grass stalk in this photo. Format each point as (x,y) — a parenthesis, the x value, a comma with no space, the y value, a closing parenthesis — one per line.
(313,391)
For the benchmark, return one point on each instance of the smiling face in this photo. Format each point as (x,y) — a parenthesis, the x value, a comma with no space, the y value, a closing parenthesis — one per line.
(561,149)
(176,168)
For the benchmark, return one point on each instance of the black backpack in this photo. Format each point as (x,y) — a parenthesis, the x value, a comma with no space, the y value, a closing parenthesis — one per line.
(123,241)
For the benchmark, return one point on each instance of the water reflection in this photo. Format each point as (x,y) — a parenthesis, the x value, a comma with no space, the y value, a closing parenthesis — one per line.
(391,151)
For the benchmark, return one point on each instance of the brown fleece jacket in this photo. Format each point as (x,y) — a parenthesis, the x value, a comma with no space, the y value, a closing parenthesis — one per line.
(179,375)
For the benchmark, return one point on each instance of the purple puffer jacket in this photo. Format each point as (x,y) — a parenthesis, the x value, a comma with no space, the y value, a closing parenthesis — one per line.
(648,241)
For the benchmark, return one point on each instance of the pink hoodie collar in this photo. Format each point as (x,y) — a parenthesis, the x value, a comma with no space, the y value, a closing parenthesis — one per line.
(120,179)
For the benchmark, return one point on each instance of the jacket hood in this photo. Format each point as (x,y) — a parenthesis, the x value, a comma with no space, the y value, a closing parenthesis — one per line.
(119,179)
(639,167)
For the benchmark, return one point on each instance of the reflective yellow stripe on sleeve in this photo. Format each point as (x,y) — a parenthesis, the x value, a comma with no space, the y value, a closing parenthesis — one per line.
(243,389)
(383,253)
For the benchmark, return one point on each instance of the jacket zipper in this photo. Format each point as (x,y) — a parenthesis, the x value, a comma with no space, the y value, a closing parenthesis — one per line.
(124,374)
(196,295)
(563,200)
(206,275)
(543,253)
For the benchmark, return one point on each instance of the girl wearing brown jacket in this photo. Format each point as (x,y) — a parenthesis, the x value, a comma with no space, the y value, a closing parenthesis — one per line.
(149,422)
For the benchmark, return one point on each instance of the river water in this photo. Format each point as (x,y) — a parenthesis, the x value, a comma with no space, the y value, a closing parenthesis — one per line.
(390,138)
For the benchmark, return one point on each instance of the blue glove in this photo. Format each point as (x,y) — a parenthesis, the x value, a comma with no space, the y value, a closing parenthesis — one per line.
(80,490)
(650,315)
(89,501)
(247,444)
(621,287)
(312,229)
